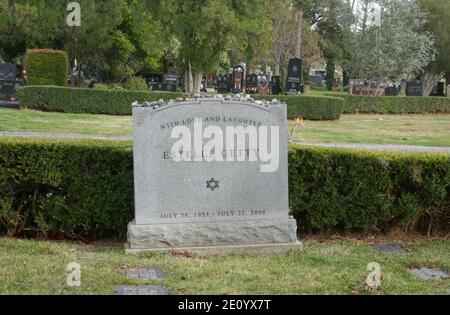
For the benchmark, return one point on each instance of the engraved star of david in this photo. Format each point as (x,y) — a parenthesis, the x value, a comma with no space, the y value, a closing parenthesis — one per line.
(212,184)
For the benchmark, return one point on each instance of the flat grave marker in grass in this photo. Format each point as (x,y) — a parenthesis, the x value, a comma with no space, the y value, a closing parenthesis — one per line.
(390,248)
(426,273)
(141,290)
(144,273)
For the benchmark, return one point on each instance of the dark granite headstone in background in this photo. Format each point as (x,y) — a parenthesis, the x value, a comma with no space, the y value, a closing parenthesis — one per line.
(391,91)
(440,89)
(223,83)
(251,83)
(414,88)
(275,87)
(8,71)
(294,77)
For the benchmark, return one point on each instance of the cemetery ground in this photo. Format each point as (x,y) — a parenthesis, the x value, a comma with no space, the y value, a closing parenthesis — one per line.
(324,267)
(331,267)
(405,129)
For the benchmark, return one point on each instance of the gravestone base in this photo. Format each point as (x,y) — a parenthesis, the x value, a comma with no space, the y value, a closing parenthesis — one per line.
(215,238)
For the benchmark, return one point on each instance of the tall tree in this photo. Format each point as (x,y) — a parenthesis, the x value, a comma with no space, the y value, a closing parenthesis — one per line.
(331,39)
(138,42)
(253,37)
(381,54)
(90,43)
(206,30)
(287,42)
(438,17)
(28,24)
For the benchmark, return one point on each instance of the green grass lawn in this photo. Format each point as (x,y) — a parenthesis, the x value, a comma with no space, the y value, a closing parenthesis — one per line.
(29,120)
(418,129)
(38,267)
(425,129)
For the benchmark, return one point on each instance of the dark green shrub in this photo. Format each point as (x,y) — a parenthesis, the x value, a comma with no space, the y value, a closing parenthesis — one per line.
(309,107)
(86,188)
(75,100)
(137,84)
(344,189)
(74,187)
(394,104)
(101,86)
(46,67)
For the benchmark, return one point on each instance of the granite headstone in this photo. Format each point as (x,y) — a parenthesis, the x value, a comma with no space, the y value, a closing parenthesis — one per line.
(275,87)
(186,200)
(238,79)
(294,77)
(223,83)
(414,88)
(251,83)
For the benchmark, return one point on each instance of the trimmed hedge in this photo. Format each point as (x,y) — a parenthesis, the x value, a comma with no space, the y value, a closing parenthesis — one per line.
(115,102)
(328,107)
(309,107)
(74,187)
(348,189)
(46,67)
(354,104)
(85,188)
(76,100)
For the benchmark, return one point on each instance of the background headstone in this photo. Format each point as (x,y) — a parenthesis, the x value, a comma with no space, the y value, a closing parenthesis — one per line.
(391,91)
(275,87)
(142,290)
(426,273)
(390,248)
(171,82)
(251,83)
(8,71)
(8,85)
(414,88)
(223,85)
(238,79)
(294,77)
(144,273)
(440,89)
(263,85)
(158,86)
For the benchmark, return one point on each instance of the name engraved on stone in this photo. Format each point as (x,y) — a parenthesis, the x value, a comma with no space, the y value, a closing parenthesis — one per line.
(211,173)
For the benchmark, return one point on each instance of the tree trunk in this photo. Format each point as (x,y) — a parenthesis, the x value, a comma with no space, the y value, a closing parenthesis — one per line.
(283,76)
(78,83)
(378,91)
(189,84)
(298,33)
(197,82)
(330,74)
(186,81)
(72,77)
(447,83)
(429,80)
